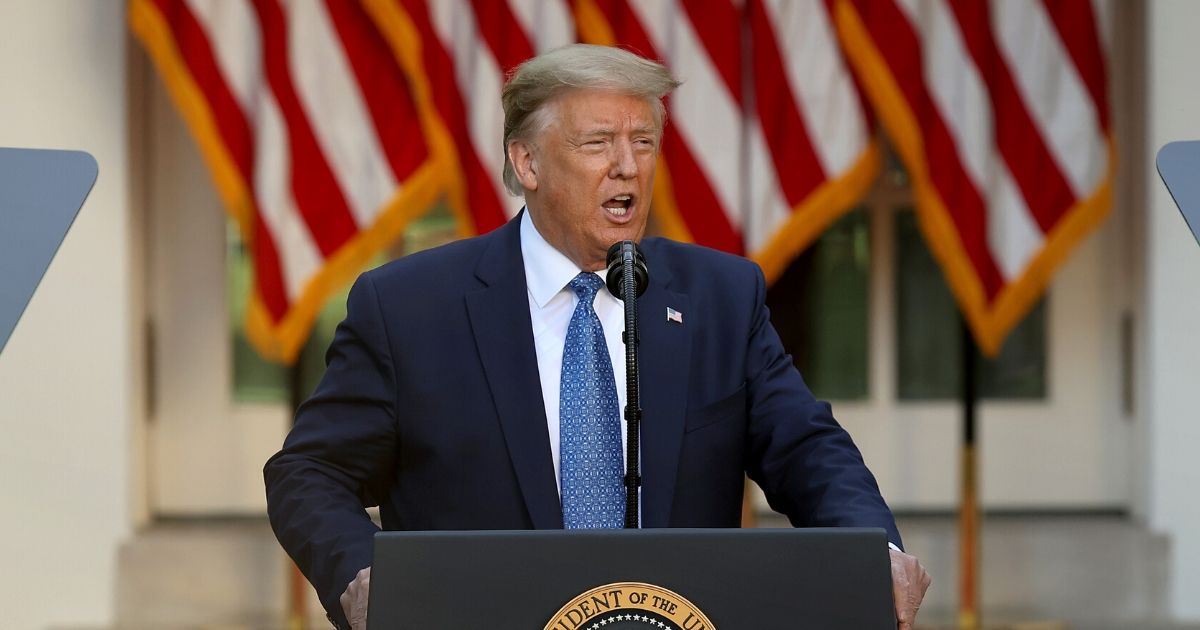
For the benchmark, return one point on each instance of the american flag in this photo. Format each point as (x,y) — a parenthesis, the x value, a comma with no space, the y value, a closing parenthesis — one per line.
(312,132)
(763,181)
(329,124)
(768,141)
(1000,113)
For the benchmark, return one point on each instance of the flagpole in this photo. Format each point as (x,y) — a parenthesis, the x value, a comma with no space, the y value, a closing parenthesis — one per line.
(968,513)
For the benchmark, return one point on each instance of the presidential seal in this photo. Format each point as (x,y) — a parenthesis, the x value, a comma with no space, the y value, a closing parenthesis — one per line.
(629,606)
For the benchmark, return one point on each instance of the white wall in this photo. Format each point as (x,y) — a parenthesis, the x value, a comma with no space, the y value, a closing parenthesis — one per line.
(66,390)
(1171,323)
(206,451)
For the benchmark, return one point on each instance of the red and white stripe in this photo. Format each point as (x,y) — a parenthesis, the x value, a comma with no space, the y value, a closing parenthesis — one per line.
(809,124)
(1026,131)
(1010,107)
(759,125)
(704,152)
(294,88)
(768,138)
(469,46)
(734,182)
(315,118)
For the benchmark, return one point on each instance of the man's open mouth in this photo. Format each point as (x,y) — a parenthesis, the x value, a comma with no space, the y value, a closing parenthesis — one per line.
(619,206)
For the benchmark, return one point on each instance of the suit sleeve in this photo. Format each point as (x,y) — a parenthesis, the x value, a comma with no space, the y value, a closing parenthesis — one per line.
(805,462)
(343,443)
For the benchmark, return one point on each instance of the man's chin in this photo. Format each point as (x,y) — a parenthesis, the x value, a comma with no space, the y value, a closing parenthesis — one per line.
(628,232)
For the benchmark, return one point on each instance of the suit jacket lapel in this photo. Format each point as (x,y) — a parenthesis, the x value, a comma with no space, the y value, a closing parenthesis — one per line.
(503,333)
(664,355)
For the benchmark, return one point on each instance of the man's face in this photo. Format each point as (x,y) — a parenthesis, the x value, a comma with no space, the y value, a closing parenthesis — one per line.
(588,174)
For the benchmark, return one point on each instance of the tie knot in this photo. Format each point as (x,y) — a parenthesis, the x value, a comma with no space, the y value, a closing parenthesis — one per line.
(585,285)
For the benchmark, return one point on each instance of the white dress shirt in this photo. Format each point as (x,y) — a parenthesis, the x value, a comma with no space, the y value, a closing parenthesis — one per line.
(551,304)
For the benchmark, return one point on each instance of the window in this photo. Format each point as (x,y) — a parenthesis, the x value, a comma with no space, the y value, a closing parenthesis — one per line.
(819,305)
(929,333)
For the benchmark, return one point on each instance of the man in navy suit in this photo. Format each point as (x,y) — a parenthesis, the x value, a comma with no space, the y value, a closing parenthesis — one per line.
(476,386)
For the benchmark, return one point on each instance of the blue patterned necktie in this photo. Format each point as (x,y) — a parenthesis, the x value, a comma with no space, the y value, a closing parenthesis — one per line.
(589,420)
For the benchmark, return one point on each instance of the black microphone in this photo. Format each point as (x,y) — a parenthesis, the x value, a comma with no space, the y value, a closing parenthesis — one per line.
(615,278)
(626,264)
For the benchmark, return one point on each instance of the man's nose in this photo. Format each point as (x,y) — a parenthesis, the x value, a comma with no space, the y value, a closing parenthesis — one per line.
(624,164)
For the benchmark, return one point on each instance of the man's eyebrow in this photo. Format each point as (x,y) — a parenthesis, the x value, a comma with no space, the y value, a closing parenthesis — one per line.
(608,132)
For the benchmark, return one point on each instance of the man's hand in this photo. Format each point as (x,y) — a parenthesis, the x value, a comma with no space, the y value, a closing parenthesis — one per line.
(354,600)
(909,583)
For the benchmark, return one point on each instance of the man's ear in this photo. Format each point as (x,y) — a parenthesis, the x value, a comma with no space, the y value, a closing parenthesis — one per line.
(520,153)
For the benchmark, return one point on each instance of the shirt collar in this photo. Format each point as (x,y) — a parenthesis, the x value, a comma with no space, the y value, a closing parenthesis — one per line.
(547,270)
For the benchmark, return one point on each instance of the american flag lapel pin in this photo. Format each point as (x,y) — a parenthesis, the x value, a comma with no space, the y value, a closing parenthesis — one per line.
(674,316)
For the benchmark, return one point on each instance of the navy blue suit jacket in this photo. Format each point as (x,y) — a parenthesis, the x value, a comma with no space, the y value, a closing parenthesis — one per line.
(431,407)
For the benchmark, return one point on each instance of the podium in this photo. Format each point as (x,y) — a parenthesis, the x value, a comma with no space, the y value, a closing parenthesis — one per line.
(657,579)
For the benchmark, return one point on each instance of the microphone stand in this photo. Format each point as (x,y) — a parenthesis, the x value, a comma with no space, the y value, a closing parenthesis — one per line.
(633,407)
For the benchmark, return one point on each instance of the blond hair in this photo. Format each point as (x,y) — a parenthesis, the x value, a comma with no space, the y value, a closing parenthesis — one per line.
(535,83)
